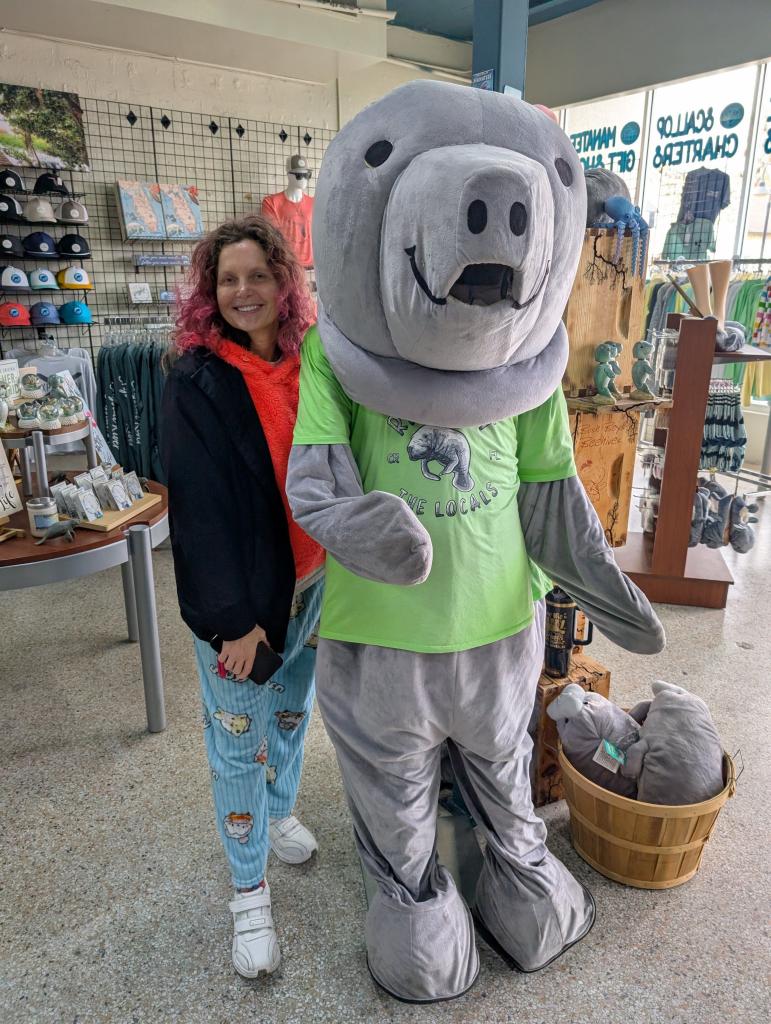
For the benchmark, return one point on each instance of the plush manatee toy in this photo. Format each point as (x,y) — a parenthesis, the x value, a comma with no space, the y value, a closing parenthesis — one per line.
(433,460)
(584,720)
(679,757)
(601,185)
(720,518)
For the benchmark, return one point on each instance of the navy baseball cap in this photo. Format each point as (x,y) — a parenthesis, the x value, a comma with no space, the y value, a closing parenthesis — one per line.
(40,245)
(10,209)
(10,181)
(43,313)
(73,245)
(11,246)
(50,182)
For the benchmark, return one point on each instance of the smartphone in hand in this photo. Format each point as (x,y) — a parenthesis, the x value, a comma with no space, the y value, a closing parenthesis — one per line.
(266,661)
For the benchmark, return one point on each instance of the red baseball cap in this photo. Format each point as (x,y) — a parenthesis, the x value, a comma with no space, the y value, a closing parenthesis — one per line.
(14,315)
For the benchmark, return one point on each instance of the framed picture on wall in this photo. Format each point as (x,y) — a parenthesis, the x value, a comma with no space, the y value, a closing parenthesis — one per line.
(41,128)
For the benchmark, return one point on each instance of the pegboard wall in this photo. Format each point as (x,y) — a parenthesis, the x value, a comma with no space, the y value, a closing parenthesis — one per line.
(233,163)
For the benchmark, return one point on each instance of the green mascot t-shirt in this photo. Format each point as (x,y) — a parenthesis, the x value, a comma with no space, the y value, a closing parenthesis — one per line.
(462,484)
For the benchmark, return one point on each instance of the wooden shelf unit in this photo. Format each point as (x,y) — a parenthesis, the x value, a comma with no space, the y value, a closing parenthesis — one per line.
(664,567)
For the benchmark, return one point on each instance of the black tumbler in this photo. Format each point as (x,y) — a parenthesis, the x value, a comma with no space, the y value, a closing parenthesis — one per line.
(560,628)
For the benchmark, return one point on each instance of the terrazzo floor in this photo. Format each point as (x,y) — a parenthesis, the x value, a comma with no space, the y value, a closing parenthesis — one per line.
(114,889)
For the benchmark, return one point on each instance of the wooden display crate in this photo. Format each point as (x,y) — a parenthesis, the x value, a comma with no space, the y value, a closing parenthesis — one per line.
(607,303)
(604,446)
(545,772)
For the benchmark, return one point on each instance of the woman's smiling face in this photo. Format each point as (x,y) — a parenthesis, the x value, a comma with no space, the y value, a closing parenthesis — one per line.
(247,290)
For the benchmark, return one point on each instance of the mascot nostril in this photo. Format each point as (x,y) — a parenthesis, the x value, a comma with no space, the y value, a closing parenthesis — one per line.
(518,218)
(477,217)
(433,460)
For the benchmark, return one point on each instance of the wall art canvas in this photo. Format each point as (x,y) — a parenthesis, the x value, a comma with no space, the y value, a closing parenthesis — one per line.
(181,211)
(41,128)
(141,211)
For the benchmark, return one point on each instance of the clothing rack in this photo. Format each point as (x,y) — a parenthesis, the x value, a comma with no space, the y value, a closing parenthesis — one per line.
(664,567)
(130,378)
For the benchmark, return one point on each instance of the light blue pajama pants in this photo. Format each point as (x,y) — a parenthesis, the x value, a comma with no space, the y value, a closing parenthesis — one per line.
(255,738)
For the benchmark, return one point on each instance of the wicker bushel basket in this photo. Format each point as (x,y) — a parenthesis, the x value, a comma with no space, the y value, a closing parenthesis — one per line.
(651,846)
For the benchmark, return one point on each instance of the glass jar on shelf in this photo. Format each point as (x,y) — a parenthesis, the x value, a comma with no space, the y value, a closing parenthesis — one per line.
(666,358)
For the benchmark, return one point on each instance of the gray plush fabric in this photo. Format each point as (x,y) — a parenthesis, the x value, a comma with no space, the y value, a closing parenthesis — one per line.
(731,338)
(443,398)
(375,535)
(601,184)
(451,147)
(387,713)
(565,538)
(679,757)
(583,721)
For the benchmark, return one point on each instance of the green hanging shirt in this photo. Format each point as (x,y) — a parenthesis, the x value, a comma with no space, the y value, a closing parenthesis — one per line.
(462,485)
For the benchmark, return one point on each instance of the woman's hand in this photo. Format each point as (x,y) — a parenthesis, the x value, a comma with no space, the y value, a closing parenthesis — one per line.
(238,655)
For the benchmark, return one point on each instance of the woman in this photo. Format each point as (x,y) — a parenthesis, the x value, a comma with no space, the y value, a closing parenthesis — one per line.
(246,573)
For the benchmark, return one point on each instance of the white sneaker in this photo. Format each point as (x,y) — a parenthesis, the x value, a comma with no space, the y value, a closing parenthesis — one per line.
(291,841)
(255,946)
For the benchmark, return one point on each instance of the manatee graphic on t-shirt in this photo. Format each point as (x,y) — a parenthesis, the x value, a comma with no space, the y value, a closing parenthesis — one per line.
(449,448)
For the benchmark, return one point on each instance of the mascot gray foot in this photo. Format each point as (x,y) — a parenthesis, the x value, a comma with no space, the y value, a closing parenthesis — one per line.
(531,917)
(421,951)
(388,712)
(528,906)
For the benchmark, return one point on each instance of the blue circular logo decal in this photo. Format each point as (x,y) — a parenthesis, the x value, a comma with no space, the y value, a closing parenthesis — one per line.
(16,278)
(630,133)
(732,115)
(14,312)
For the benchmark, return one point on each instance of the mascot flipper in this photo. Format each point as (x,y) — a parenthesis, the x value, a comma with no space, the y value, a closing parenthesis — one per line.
(434,461)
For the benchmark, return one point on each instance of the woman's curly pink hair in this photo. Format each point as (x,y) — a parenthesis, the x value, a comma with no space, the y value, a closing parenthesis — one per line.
(200,322)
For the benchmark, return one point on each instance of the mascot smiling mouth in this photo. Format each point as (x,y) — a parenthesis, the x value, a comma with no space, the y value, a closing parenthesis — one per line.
(480,284)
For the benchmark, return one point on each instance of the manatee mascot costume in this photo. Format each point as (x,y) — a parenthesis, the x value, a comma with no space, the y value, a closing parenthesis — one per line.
(432,459)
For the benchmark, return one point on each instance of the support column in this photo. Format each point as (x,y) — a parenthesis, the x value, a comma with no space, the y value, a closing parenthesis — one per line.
(500,44)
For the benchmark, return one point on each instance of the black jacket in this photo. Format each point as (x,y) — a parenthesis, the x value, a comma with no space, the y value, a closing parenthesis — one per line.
(232,556)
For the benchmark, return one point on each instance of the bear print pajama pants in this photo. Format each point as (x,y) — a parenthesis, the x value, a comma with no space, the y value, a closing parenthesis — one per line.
(255,738)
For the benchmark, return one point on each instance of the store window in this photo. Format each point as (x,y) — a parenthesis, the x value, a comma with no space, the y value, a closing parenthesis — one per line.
(697,157)
(757,229)
(609,133)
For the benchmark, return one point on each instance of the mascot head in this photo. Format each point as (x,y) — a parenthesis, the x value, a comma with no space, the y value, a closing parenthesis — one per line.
(447,228)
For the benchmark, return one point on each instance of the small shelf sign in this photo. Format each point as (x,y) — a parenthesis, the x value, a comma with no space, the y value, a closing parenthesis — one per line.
(484,80)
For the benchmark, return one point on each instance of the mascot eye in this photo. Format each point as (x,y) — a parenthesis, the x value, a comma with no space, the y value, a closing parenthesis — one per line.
(564,171)
(378,153)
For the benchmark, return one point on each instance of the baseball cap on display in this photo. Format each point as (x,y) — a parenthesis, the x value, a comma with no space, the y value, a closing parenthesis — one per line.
(11,246)
(12,277)
(13,315)
(73,245)
(43,280)
(50,182)
(71,212)
(10,181)
(39,211)
(43,313)
(75,313)
(10,209)
(73,277)
(41,245)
